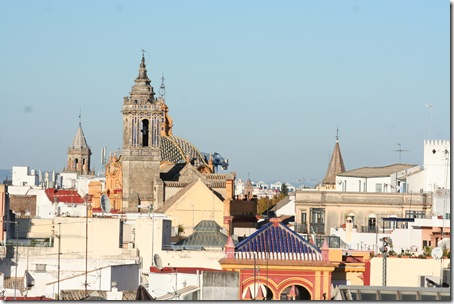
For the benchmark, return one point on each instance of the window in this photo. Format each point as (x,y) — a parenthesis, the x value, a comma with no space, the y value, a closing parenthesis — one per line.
(372,223)
(317,220)
(415,214)
(378,187)
(302,228)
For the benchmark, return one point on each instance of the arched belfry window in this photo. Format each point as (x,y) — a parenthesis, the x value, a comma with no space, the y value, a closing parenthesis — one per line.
(144,129)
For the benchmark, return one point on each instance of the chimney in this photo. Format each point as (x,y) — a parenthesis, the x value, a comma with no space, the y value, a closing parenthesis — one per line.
(114,294)
(229,248)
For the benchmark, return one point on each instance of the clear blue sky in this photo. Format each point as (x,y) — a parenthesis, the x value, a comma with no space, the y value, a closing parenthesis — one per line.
(264,83)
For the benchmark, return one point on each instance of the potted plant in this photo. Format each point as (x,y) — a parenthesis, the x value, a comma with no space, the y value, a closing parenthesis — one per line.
(446,253)
(392,253)
(406,254)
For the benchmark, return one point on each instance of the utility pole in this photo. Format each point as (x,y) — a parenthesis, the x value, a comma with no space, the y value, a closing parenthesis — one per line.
(386,241)
(86,245)
(16,254)
(58,267)
(152,234)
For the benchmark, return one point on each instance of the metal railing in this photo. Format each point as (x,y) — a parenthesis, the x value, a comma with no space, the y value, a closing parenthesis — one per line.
(301,228)
(317,228)
(368,229)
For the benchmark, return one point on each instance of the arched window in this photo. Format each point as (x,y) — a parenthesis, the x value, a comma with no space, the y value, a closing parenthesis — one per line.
(144,130)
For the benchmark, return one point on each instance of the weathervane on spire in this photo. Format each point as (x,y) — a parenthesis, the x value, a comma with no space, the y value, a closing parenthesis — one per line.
(337,134)
(162,88)
(80,115)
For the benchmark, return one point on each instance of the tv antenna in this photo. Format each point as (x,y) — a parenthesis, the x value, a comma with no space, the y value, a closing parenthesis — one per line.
(400,152)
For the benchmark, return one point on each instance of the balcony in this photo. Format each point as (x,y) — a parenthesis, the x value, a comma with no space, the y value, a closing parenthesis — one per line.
(368,229)
(317,228)
(301,228)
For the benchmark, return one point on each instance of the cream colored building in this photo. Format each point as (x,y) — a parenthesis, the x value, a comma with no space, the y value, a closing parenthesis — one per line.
(318,211)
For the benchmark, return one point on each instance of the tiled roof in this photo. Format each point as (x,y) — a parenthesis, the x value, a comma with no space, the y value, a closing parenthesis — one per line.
(206,234)
(8,283)
(205,240)
(276,241)
(207,225)
(376,171)
(280,204)
(79,141)
(75,295)
(64,196)
(42,298)
(176,149)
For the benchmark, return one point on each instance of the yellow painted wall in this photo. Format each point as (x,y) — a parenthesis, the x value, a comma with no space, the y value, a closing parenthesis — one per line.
(198,203)
(404,272)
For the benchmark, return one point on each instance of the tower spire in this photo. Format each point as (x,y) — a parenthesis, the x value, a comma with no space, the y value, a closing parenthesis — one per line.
(142,86)
(336,164)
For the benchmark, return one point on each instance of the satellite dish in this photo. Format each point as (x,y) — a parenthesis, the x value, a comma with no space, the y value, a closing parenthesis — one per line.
(158,261)
(437,253)
(105,203)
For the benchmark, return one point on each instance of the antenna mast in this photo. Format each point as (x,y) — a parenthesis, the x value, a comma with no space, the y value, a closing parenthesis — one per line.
(400,153)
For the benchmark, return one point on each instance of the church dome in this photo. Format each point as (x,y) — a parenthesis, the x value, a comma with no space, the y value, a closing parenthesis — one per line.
(175,149)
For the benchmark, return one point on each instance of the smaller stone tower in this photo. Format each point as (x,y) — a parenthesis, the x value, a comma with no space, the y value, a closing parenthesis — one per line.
(79,154)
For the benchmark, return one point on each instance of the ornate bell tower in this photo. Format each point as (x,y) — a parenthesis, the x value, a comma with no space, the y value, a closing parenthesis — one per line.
(142,118)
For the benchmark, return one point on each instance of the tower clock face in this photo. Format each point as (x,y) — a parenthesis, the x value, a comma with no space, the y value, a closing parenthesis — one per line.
(113,169)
